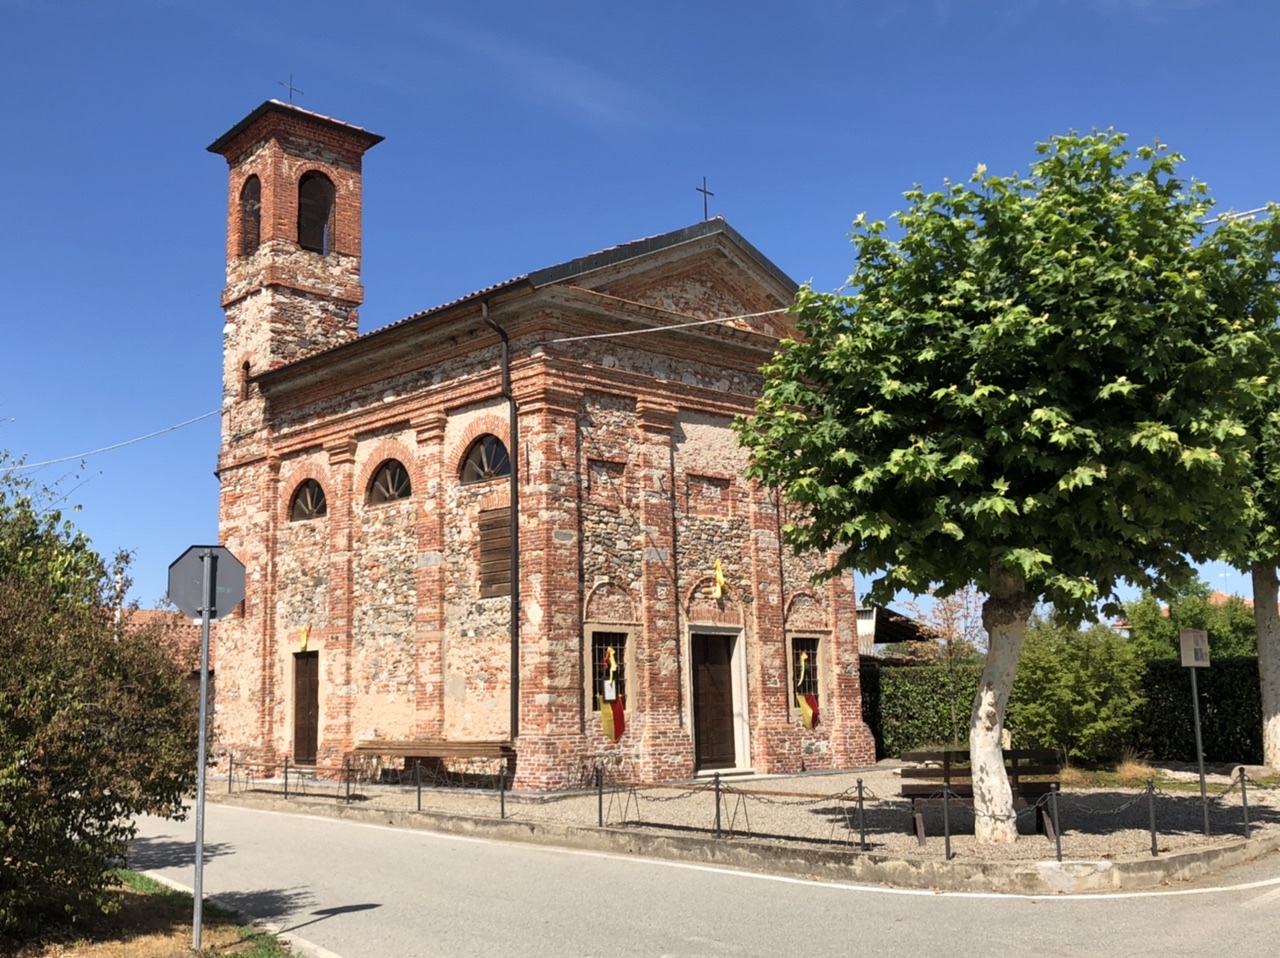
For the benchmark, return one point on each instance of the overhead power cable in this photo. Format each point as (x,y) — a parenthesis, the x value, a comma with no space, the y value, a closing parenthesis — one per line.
(118,445)
(665,329)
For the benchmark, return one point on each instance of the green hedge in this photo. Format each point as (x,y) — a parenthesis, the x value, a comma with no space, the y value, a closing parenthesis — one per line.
(914,706)
(1230,711)
(911,706)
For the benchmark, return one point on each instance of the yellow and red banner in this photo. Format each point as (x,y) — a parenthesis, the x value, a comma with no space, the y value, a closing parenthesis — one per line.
(613,720)
(807,703)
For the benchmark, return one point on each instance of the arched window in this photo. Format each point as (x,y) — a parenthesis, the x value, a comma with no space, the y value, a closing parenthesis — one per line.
(250,215)
(390,482)
(315,213)
(308,502)
(486,459)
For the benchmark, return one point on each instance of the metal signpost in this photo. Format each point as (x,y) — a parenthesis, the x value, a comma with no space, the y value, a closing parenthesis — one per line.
(205,582)
(1195,655)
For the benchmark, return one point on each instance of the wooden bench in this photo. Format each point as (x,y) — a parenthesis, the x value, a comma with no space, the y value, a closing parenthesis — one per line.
(1033,773)
(434,753)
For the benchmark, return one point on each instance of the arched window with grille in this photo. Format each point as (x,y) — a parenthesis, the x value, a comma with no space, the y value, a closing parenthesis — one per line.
(485,459)
(308,502)
(315,213)
(250,215)
(390,483)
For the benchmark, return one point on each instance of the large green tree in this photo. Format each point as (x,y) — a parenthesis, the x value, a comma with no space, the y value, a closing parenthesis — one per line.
(1027,387)
(97,724)
(1248,284)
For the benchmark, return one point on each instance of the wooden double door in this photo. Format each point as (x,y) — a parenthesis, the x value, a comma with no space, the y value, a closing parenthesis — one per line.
(306,707)
(714,726)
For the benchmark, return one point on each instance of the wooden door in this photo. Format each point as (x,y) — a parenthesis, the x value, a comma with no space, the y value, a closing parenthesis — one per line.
(306,706)
(713,730)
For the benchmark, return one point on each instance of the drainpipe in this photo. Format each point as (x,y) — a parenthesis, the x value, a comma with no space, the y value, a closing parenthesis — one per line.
(512,452)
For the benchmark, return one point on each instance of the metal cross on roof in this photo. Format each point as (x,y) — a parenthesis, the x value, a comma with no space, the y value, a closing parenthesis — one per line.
(291,88)
(705,193)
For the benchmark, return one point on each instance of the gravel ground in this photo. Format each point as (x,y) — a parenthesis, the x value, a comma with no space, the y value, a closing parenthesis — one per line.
(821,808)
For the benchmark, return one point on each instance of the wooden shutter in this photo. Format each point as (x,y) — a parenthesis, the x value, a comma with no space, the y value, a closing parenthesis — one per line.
(495,552)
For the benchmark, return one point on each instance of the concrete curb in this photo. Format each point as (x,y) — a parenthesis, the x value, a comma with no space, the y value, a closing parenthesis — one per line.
(298,944)
(832,864)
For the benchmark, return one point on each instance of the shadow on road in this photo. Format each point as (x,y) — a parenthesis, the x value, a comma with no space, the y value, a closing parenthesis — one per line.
(267,904)
(325,913)
(146,854)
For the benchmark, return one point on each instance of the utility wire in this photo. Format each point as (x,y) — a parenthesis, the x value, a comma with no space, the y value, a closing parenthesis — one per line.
(118,445)
(664,329)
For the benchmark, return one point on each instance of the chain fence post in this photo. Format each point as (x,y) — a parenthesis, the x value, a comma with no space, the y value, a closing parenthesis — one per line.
(502,790)
(600,796)
(717,804)
(946,820)
(862,821)
(1151,806)
(1244,800)
(231,771)
(417,780)
(346,774)
(1057,823)
(286,778)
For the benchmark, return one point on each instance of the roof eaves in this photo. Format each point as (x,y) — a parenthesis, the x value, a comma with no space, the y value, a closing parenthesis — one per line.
(276,106)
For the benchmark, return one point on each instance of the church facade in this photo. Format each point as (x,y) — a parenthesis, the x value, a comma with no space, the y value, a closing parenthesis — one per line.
(518,516)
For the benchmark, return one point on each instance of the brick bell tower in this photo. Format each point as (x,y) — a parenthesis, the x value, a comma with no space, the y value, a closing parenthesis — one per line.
(293,244)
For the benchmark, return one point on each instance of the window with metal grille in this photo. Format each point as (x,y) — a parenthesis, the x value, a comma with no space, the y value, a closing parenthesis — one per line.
(390,482)
(315,213)
(804,667)
(308,502)
(486,459)
(250,215)
(608,671)
(495,552)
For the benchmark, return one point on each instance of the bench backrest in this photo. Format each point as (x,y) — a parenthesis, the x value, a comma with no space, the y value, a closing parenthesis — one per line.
(953,764)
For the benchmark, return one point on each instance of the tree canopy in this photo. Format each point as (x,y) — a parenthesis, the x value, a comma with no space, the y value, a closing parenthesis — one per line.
(1034,372)
(1036,384)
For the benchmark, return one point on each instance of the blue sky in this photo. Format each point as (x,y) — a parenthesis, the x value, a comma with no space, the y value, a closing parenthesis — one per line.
(520,135)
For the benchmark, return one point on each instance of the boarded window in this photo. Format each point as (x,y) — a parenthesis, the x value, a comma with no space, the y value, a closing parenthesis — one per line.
(308,502)
(608,669)
(315,213)
(390,483)
(495,552)
(486,459)
(250,215)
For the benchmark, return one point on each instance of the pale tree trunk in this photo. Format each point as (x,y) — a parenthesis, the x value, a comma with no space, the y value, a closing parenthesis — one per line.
(1267,622)
(1005,615)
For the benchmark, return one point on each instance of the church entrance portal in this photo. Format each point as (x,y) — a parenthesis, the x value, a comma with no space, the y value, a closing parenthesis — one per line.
(713,721)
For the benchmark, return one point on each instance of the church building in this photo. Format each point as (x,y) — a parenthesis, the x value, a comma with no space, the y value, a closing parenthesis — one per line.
(517,517)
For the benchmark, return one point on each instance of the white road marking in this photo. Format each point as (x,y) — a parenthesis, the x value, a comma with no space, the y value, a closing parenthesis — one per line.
(782,879)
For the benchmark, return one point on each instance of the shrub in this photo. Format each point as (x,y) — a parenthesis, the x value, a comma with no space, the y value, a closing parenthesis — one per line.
(1077,691)
(97,725)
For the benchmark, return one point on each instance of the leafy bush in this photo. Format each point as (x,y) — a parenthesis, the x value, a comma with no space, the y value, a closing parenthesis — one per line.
(1077,691)
(97,725)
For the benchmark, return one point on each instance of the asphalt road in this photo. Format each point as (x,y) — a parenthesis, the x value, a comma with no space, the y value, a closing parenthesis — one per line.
(363,891)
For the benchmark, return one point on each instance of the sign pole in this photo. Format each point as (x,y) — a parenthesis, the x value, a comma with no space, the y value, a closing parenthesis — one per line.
(209,561)
(1195,655)
(194,589)
(1195,711)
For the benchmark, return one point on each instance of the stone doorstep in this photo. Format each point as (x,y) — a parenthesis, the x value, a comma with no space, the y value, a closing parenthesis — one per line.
(831,864)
